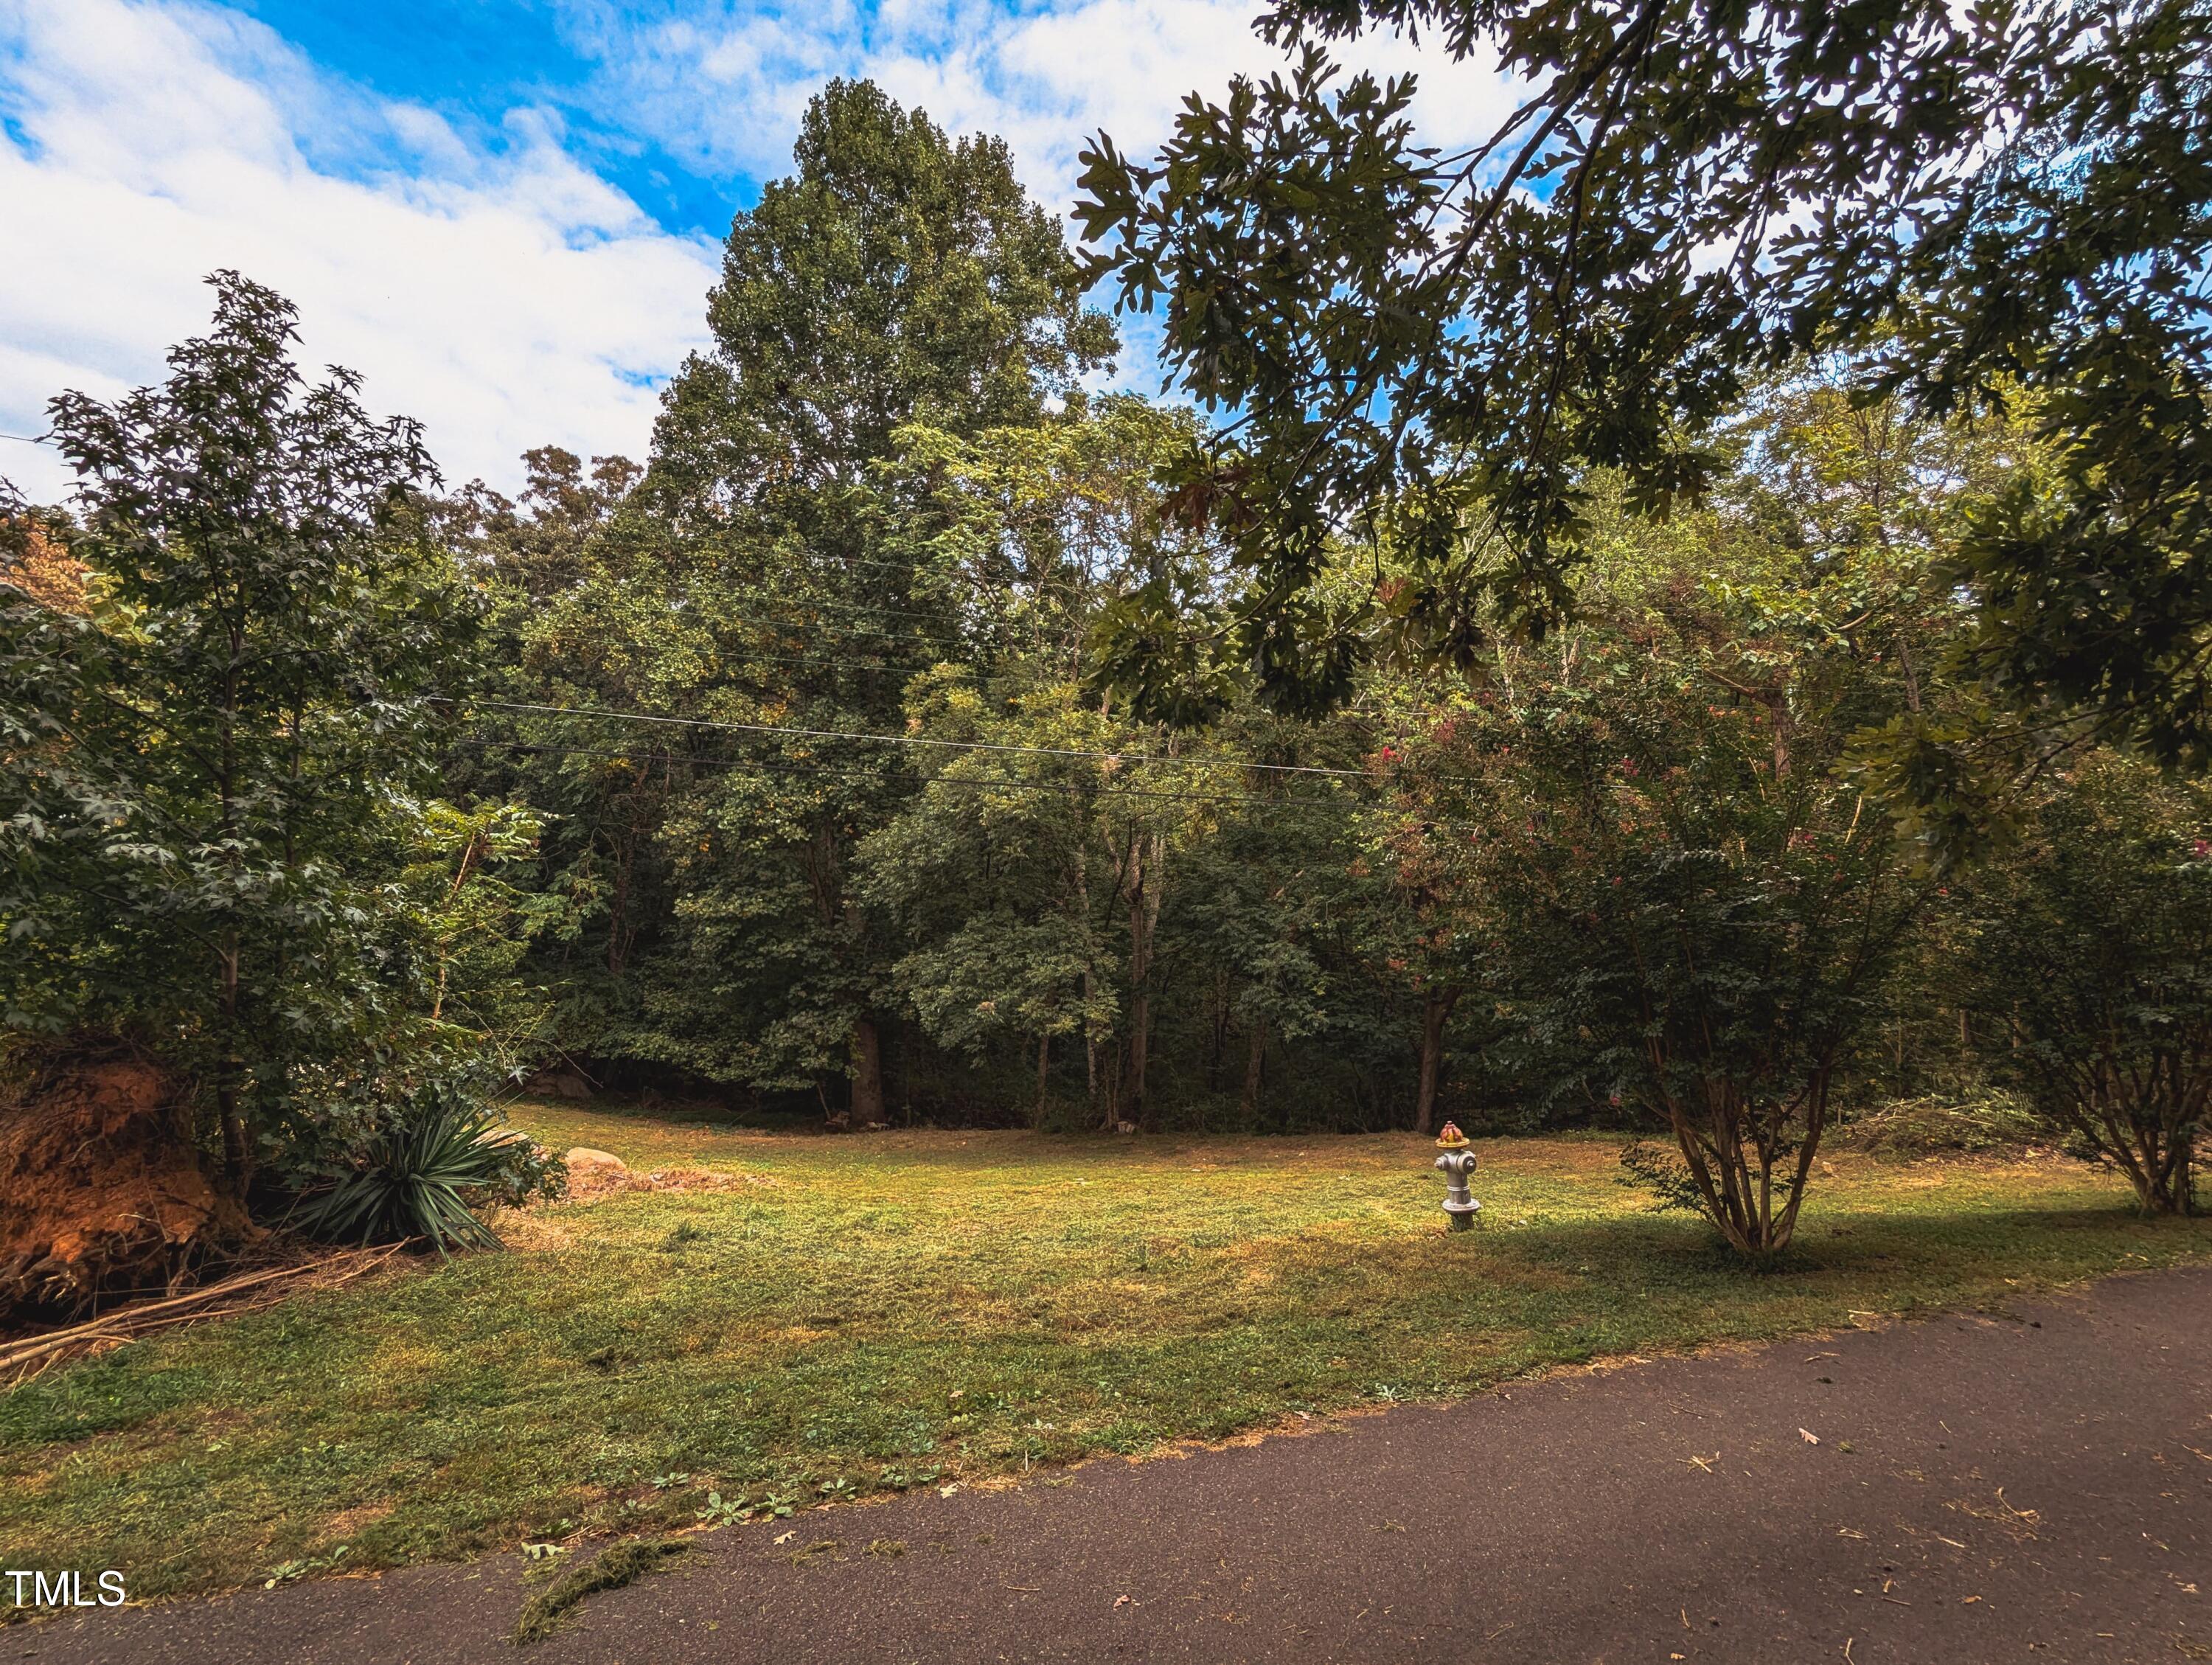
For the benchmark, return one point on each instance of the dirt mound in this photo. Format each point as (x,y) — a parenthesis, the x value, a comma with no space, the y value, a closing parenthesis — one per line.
(105,1195)
(596,1174)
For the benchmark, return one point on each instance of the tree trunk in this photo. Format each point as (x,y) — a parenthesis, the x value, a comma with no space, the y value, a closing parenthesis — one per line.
(1132,1082)
(237,1152)
(1100,1107)
(1435,1014)
(620,931)
(1143,892)
(617,911)
(1731,1165)
(1217,1044)
(1255,1065)
(1044,1075)
(1091,1060)
(867,1073)
(2160,1162)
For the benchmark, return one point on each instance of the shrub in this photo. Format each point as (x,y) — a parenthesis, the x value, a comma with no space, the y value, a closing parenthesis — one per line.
(1694,910)
(426,1173)
(2088,971)
(204,760)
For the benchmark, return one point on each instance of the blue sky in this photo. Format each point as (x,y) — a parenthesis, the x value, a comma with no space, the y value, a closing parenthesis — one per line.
(504,214)
(475,60)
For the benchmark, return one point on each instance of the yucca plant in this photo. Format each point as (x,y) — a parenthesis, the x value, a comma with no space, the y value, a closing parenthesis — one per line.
(415,1180)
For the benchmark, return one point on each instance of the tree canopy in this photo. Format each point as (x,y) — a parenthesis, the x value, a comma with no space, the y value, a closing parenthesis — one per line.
(1505,711)
(1999,210)
(210,762)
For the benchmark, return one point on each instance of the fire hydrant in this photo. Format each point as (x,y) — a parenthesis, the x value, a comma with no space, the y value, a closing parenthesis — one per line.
(1456,1162)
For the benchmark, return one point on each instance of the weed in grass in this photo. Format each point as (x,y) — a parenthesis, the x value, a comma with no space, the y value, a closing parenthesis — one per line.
(544,1561)
(898,1479)
(613,1568)
(285,1572)
(723,1511)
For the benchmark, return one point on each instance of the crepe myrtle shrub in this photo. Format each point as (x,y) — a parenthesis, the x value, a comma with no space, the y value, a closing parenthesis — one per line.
(2088,973)
(424,1173)
(1690,913)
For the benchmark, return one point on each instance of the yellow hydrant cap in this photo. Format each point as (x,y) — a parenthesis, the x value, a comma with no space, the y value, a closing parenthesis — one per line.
(1451,1138)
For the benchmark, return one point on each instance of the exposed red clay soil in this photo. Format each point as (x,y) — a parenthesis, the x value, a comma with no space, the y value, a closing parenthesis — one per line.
(105,1196)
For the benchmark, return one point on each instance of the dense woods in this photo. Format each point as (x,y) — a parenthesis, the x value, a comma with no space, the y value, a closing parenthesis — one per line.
(913,736)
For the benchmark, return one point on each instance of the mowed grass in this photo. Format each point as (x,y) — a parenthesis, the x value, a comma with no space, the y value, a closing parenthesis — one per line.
(877,1312)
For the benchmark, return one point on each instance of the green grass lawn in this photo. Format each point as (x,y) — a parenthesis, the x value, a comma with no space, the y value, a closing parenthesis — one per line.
(897,1310)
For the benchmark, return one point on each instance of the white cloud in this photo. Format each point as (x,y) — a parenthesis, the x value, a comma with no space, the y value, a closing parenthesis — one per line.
(491,284)
(507,297)
(726,83)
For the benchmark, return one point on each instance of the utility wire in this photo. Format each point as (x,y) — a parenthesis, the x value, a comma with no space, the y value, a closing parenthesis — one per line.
(789,766)
(946,634)
(934,640)
(873,607)
(920,569)
(910,739)
(872,662)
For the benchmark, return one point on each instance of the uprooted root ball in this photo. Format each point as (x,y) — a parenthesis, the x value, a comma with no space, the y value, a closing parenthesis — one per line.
(106,1192)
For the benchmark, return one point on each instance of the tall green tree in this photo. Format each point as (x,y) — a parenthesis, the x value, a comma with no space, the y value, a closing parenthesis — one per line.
(1078,853)
(895,276)
(207,773)
(765,584)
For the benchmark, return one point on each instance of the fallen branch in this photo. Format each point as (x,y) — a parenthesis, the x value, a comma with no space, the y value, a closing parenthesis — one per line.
(125,1323)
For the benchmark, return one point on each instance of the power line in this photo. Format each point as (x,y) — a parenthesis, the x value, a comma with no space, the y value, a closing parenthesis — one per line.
(790,767)
(788,624)
(942,636)
(912,739)
(950,638)
(1041,580)
(879,606)
(875,654)
(872,662)
(843,662)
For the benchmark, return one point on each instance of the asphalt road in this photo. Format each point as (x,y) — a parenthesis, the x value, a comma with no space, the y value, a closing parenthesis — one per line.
(2032,1487)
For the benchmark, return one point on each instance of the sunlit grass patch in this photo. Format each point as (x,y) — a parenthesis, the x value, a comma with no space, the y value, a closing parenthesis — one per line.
(917,1308)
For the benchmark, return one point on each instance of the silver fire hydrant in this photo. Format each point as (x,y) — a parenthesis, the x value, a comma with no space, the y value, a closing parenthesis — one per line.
(1456,1162)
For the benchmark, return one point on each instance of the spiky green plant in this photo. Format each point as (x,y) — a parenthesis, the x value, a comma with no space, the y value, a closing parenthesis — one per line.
(415,1180)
